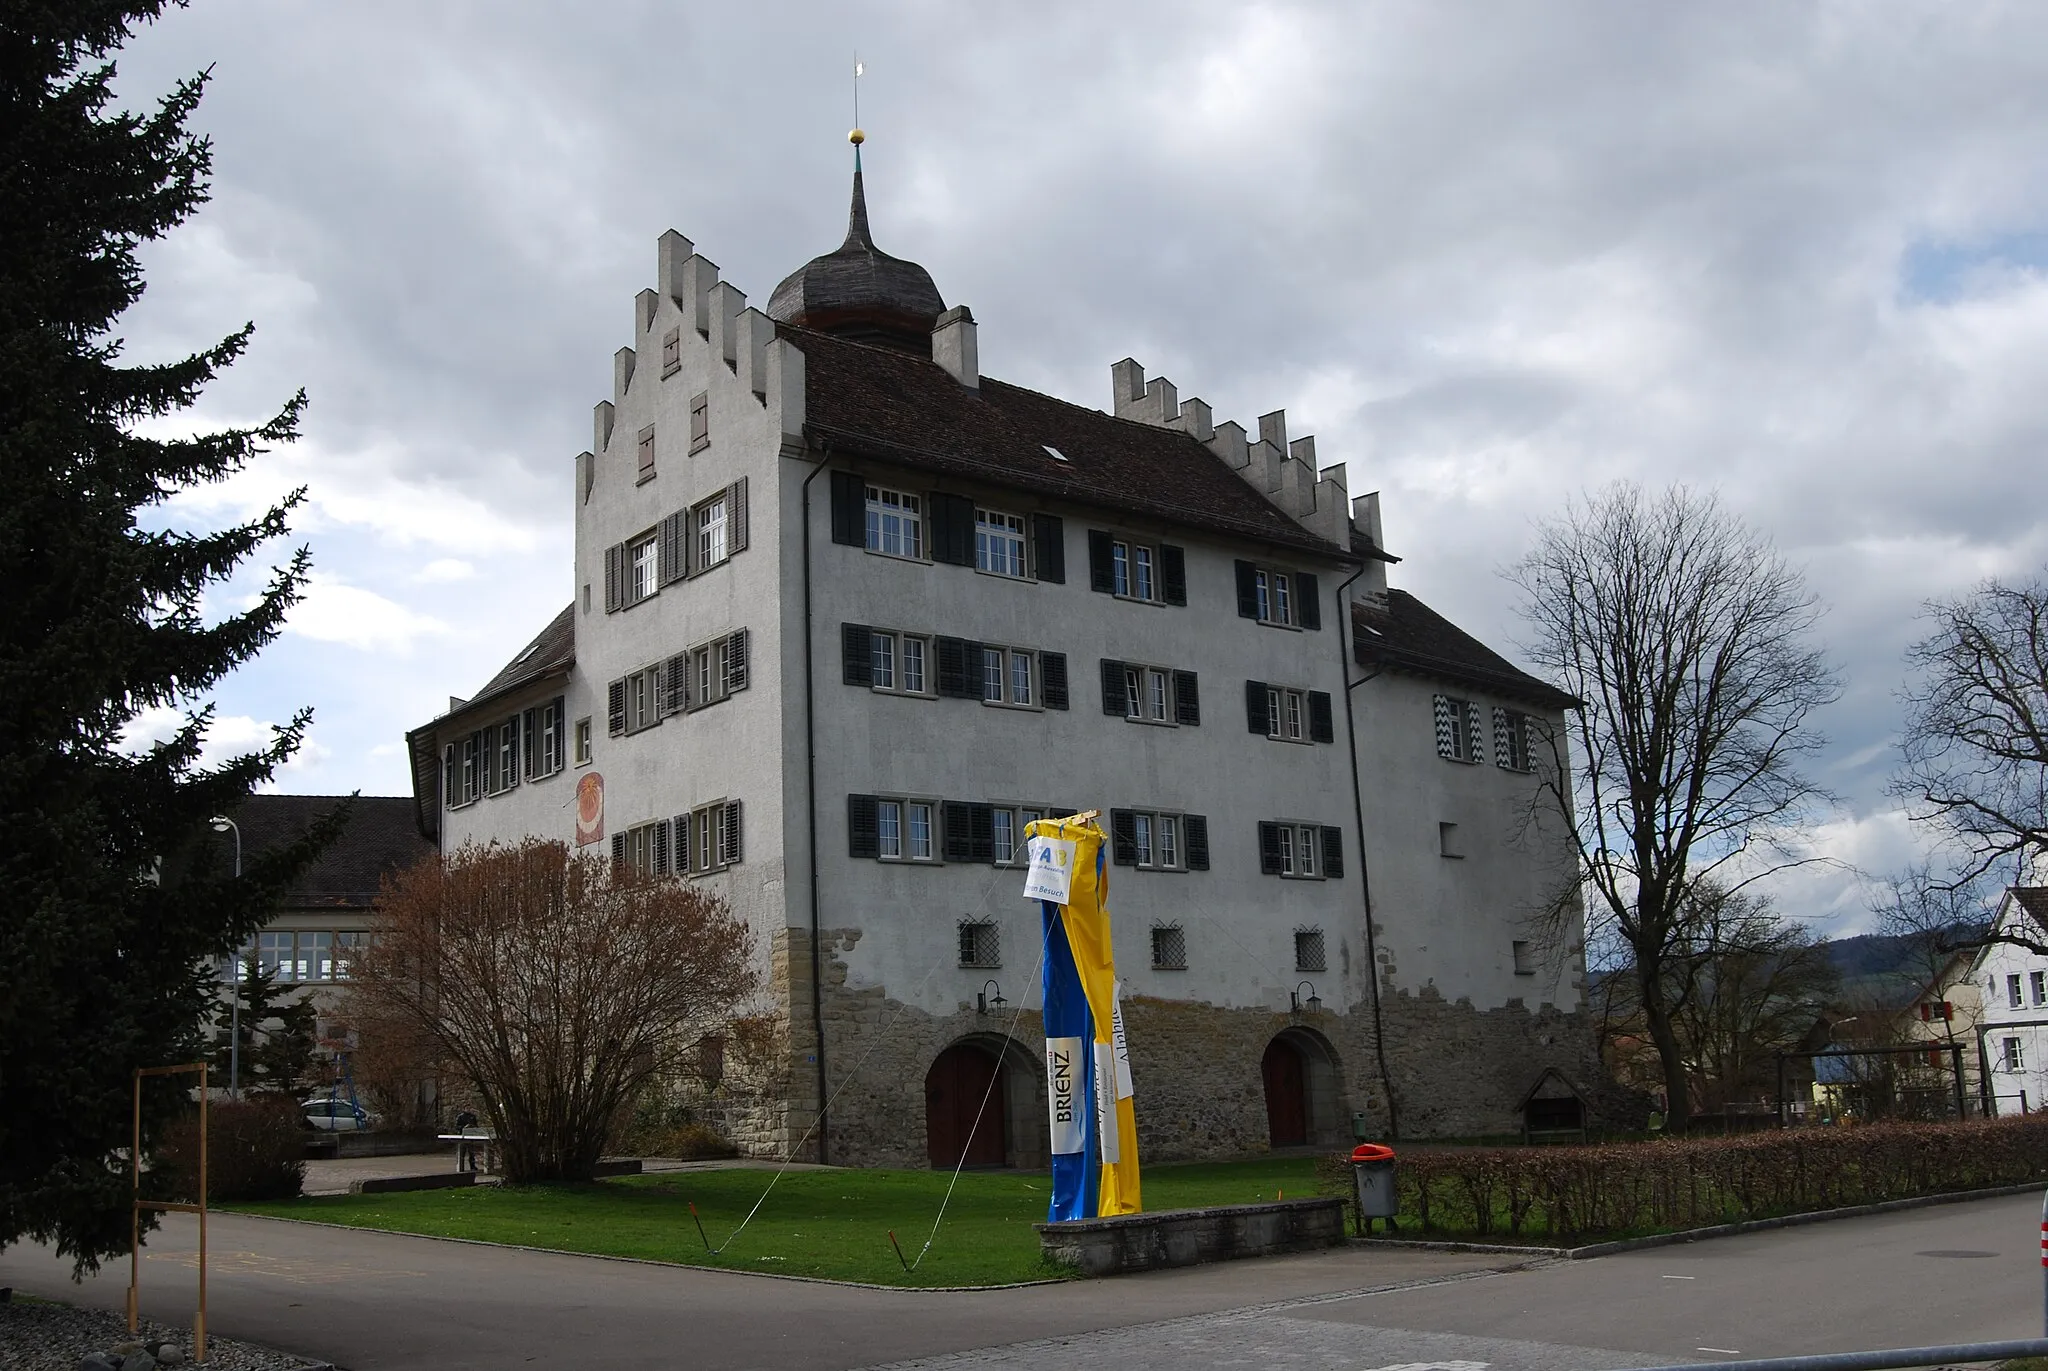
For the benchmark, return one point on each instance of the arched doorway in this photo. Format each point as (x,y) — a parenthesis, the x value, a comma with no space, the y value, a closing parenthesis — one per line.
(966,1108)
(1303,1091)
(1286,1077)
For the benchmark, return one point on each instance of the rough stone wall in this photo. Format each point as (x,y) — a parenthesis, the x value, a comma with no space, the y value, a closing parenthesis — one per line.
(1457,1071)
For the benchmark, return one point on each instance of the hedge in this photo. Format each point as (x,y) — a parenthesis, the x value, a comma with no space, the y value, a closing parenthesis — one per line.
(256,1150)
(1619,1189)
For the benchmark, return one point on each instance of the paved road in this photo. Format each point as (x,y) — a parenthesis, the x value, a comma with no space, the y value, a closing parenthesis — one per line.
(382,1302)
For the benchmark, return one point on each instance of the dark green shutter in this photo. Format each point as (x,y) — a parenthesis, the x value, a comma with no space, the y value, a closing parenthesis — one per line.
(1187,699)
(1052,675)
(1049,539)
(1308,600)
(1101,576)
(1196,827)
(849,509)
(863,831)
(1269,848)
(1333,851)
(1258,717)
(857,655)
(1123,837)
(1247,591)
(1173,573)
(1322,724)
(1114,698)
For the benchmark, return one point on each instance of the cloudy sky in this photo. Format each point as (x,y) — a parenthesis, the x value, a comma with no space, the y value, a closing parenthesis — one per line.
(1489,254)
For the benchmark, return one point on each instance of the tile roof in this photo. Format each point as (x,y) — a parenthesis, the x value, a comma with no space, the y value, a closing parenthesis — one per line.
(1407,635)
(2034,900)
(894,407)
(552,650)
(381,836)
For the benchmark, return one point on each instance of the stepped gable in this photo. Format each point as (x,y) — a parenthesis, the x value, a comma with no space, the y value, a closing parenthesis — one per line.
(883,404)
(1404,634)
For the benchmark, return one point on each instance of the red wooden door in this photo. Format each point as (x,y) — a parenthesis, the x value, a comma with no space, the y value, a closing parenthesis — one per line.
(1286,1094)
(955,1117)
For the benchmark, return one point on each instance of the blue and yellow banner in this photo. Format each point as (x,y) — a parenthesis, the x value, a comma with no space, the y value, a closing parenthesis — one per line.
(1087,1063)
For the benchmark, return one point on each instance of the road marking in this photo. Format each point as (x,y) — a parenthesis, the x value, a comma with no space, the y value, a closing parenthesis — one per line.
(1724,1351)
(298,1271)
(1435,1366)
(1681,1278)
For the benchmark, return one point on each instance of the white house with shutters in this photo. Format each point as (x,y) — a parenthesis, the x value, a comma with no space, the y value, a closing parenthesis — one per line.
(2013,1028)
(846,614)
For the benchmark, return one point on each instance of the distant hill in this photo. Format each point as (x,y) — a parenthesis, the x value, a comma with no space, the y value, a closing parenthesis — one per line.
(1878,969)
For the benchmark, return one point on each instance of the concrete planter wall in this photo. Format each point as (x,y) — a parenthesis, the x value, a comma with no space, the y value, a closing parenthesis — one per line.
(1189,1237)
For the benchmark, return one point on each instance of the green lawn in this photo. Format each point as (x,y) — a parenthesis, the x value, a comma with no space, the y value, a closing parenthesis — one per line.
(814,1223)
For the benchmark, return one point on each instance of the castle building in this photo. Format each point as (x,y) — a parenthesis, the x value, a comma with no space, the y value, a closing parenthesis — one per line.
(848,614)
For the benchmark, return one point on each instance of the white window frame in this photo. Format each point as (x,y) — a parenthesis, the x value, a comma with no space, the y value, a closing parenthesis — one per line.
(1016,681)
(1275,593)
(1149,695)
(348,942)
(1287,714)
(2014,998)
(1018,817)
(1002,546)
(643,568)
(1134,571)
(708,526)
(894,516)
(882,646)
(550,739)
(2013,1057)
(643,699)
(1301,851)
(903,813)
(2038,985)
(1467,748)
(707,837)
(1159,840)
(583,741)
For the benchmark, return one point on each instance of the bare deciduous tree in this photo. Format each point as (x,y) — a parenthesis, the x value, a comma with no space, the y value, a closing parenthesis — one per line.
(1976,740)
(553,987)
(1686,636)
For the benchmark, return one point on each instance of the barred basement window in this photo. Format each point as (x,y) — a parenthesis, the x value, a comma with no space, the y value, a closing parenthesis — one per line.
(980,944)
(1169,948)
(1308,949)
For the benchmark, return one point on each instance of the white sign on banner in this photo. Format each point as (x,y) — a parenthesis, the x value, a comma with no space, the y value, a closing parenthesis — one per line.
(1105,1104)
(1064,1064)
(1123,1047)
(1051,876)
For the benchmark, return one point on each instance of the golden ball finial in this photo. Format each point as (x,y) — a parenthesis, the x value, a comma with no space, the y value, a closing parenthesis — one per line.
(856,138)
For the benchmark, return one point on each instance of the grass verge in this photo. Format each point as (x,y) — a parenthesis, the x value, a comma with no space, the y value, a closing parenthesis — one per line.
(832,1224)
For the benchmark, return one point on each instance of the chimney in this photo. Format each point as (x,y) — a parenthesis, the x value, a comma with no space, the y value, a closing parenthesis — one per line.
(954,349)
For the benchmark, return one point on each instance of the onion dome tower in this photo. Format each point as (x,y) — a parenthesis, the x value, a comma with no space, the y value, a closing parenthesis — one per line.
(860,292)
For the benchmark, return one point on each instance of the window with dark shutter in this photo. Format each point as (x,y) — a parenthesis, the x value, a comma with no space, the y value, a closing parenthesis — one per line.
(1308,601)
(956,829)
(1333,851)
(1101,576)
(981,845)
(729,848)
(955,681)
(615,707)
(736,516)
(1052,679)
(1196,829)
(531,761)
(1187,698)
(952,529)
(1123,837)
(614,578)
(618,856)
(1173,573)
(849,509)
(1049,546)
(658,855)
(1258,711)
(1057,812)
(675,680)
(680,827)
(736,661)
(1322,726)
(1247,591)
(1269,848)
(856,652)
(863,835)
(1113,697)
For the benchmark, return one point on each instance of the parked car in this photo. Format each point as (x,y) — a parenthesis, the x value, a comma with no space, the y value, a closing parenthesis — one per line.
(333,1114)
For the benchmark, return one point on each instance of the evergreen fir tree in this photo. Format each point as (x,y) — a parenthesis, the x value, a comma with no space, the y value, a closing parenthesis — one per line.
(277,1027)
(115,898)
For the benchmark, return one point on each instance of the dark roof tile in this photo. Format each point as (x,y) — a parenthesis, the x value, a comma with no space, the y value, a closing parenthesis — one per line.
(381,836)
(891,406)
(1407,635)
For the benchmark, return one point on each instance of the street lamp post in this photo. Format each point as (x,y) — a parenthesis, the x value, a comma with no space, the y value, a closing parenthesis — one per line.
(223,824)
